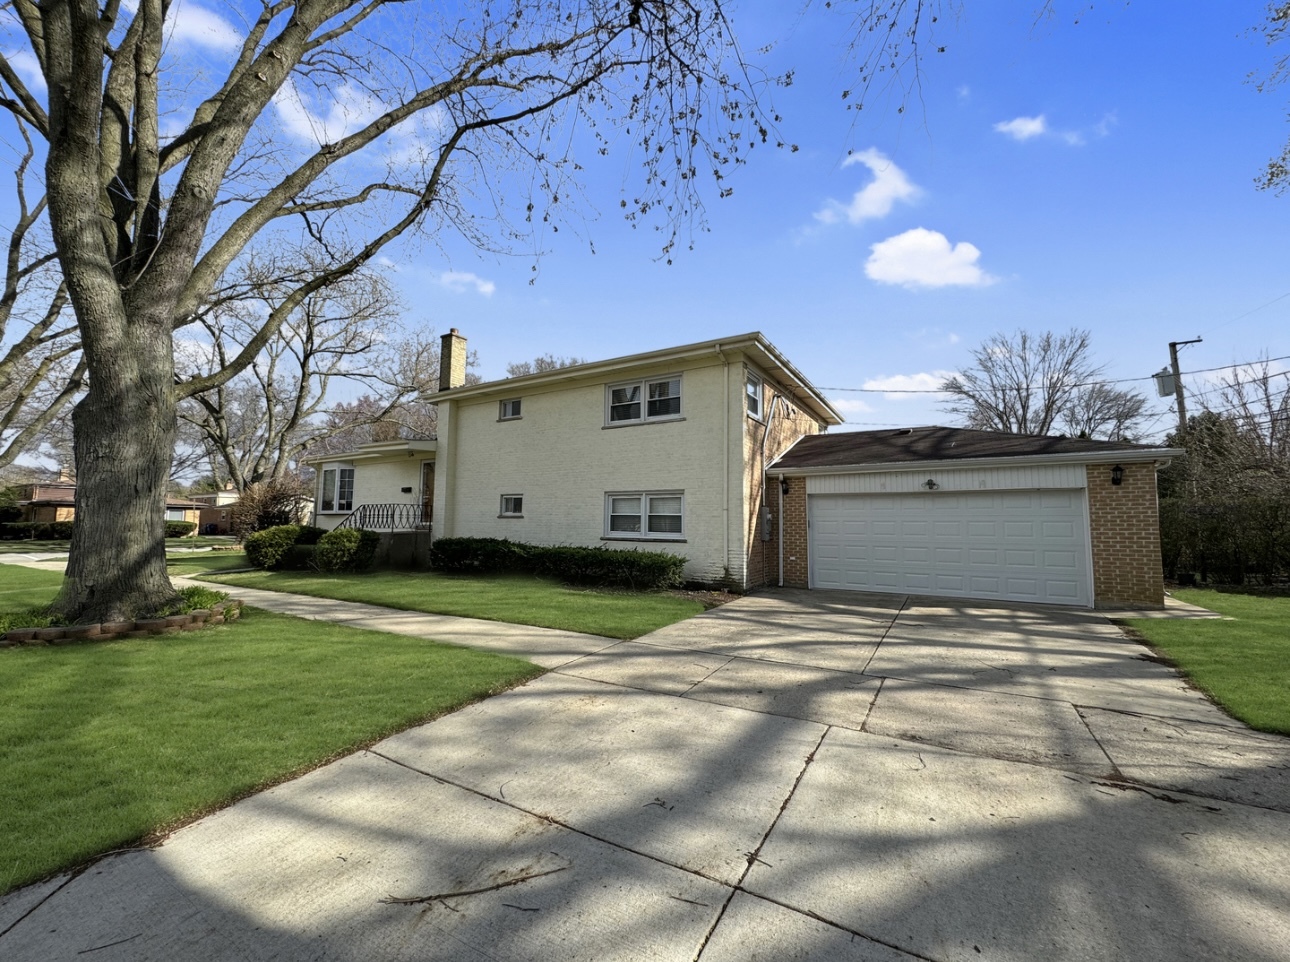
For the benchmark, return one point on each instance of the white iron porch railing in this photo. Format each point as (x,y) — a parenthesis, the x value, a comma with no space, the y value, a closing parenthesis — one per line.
(387,517)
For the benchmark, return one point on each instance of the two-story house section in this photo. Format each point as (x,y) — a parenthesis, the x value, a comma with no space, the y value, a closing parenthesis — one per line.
(665,450)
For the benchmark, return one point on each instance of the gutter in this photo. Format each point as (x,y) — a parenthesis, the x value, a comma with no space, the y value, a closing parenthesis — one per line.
(1131,456)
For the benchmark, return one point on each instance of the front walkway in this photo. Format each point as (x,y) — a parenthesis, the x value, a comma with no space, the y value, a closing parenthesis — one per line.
(795,775)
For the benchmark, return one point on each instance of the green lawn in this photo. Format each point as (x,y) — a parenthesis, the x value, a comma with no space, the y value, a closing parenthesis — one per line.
(1243,664)
(106,743)
(518,599)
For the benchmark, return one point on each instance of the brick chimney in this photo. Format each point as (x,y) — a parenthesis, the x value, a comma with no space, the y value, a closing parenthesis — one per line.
(452,360)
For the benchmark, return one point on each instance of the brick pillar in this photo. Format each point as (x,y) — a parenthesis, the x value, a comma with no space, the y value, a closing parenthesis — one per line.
(795,558)
(1124,528)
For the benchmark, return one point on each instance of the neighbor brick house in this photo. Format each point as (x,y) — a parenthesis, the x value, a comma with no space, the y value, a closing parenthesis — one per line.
(56,501)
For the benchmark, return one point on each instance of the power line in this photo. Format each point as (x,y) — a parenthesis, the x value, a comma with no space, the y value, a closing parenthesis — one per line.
(1122,380)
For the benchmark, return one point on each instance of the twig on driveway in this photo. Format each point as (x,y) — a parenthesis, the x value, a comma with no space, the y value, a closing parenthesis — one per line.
(423,899)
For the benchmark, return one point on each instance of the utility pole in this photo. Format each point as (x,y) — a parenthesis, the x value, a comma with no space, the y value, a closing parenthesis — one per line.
(1178,384)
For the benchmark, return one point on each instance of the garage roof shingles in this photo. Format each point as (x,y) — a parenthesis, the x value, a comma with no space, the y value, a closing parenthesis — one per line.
(909,445)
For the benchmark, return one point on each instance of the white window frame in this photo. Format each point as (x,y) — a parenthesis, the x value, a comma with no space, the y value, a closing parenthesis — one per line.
(510,409)
(758,395)
(175,514)
(339,478)
(517,511)
(644,533)
(644,385)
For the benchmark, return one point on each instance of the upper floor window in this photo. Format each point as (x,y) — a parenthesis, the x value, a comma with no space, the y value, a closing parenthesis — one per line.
(646,400)
(509,410)
(753,391)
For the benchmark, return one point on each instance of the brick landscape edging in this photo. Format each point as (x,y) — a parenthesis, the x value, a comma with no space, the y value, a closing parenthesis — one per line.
(216,614)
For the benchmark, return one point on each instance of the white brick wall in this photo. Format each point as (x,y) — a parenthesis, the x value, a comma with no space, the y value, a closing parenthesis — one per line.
(560,456)
(375,482)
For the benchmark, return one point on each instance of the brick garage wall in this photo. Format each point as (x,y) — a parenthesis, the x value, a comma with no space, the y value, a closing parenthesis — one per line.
(796,570)
(1125,532)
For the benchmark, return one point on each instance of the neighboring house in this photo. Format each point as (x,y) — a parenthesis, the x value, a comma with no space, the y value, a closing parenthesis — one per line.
(56,501)
(216,513)
(672,450)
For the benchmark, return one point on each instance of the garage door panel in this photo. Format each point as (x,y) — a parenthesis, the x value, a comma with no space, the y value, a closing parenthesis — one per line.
(1022,546)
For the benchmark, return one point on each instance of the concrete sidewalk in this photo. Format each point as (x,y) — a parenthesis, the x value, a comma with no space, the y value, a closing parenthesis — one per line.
(795,775)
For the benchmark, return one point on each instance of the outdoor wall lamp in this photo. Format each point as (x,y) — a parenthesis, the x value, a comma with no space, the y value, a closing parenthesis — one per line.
(1117,475)
(930,485)
(783,485)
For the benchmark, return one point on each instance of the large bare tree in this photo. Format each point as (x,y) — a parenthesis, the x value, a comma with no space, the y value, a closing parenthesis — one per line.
(147,224)
(1029,383)
(254,426)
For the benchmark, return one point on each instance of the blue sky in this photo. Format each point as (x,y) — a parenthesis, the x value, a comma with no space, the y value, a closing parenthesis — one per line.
(1102,172)
(1094,168)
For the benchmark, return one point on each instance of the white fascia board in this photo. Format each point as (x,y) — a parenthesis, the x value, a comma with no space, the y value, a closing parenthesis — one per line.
(377,449)
(1079,457)
(753,343)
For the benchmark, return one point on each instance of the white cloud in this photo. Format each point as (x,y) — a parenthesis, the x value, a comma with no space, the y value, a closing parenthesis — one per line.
(875,199)
(851,405)
(187,23)
(964,92)
(923,381)
(461,281)
(27,67)
(1023,128)
(350,108)
(925,258)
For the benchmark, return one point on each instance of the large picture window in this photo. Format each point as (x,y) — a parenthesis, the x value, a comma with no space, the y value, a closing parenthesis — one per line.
(337,489)
(654,399)
(635,515)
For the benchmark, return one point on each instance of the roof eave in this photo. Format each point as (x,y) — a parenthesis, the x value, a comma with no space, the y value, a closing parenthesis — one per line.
(1073,457)
(753,341)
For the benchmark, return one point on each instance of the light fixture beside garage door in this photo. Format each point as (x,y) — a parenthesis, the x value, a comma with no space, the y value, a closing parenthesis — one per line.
(930,484)
(1117,475)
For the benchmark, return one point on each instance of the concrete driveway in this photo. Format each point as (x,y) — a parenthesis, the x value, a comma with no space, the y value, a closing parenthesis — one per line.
(805,776)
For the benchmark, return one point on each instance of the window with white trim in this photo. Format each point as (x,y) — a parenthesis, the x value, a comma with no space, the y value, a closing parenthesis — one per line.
(653,399)
(512,506)
(645,514)
(175,514)
(509,410)
(753,391)
(337,489)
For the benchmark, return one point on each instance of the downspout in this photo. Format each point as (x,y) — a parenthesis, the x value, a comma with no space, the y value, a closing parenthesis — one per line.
(725,501)
(781,531)
(765,436)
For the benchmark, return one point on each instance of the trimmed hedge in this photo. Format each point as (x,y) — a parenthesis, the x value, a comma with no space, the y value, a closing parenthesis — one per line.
(346,549)
(180,529)
(35,530)
(269,548)
(601,567)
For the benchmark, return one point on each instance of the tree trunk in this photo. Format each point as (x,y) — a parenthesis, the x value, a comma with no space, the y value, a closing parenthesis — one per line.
(124,441)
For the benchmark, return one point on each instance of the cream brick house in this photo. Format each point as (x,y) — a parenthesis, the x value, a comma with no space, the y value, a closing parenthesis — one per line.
(717,452)
(661,451)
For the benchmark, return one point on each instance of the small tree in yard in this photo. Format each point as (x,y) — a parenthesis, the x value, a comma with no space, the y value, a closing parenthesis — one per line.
(162,169)
(268,504)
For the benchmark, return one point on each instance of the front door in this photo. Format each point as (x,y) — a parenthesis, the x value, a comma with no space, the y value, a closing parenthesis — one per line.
(427,492)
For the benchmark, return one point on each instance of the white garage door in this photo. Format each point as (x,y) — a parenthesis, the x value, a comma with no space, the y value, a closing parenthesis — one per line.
(1010,545)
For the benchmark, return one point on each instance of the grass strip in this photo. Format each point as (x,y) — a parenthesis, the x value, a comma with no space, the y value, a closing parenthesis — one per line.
(1243,664)
(108,743)
(516,599)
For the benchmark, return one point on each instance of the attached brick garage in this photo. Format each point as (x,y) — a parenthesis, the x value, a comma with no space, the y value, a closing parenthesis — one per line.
(971,514)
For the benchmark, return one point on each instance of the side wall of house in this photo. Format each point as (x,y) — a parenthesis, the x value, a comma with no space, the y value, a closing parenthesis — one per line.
(1125,535)
(375,482)
(782,423)
(564,460)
